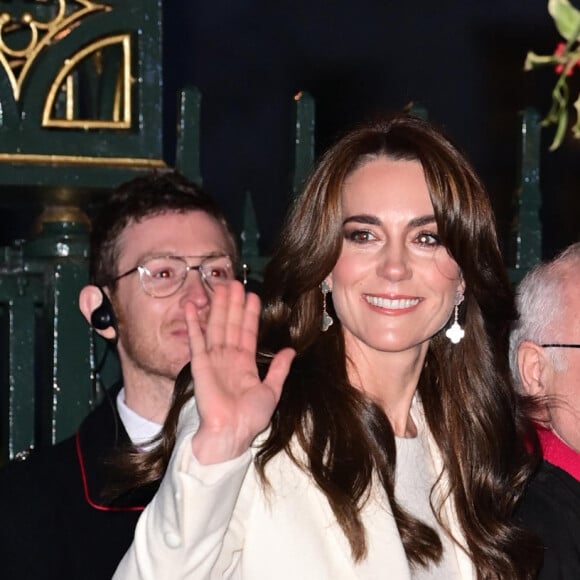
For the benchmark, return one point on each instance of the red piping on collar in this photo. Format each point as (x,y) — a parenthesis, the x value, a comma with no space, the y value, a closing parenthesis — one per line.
(559,453)
(94,505)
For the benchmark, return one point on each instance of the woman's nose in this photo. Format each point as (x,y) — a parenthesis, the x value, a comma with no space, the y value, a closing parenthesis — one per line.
(394,263)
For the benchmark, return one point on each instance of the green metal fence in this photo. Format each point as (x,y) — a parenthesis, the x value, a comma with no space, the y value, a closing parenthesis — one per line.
(45,343)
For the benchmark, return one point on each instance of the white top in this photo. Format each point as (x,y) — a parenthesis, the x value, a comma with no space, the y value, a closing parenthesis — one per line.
(210,522)
(413,482)
(140,430)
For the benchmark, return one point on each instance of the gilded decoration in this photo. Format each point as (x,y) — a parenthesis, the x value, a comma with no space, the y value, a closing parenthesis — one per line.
(121,113)
(68,74)
(17,62)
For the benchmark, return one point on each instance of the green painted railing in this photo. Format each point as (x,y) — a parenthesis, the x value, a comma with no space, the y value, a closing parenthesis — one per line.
(44,381)
(526,233)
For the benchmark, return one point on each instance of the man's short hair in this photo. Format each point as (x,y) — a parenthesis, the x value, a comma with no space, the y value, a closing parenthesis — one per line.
(143,197)
(539,299)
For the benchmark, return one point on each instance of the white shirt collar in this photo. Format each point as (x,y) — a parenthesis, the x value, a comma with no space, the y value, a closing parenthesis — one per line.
(140,430)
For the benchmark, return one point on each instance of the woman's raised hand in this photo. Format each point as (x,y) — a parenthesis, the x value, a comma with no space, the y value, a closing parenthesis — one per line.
(234,404)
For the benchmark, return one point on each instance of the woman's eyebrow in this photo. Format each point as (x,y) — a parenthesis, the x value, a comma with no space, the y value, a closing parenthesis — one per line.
(373,220)
(423,220)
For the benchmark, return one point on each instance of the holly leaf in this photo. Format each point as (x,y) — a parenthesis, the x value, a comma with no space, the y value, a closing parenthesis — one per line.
(566,18)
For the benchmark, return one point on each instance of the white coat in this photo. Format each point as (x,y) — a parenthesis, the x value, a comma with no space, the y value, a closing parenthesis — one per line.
(218,522)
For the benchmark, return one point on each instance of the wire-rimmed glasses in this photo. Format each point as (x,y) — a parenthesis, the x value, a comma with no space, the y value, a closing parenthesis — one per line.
(560,345)
(163,276)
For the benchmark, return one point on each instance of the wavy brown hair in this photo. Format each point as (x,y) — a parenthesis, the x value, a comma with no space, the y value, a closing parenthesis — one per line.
(470,406)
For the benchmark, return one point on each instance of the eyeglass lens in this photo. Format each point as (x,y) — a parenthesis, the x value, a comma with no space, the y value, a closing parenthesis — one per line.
(163,276)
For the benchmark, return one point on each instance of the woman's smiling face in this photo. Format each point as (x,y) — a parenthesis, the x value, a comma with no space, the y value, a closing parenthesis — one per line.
(394,285)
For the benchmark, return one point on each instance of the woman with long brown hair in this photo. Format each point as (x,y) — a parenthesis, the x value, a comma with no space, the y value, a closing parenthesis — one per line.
(392,445)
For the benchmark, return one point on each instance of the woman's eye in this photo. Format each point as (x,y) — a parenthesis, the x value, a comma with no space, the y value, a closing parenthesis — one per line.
(428,239)
(359,236)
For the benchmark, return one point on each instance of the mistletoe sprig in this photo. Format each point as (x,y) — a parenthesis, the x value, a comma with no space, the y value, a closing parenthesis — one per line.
(565,60)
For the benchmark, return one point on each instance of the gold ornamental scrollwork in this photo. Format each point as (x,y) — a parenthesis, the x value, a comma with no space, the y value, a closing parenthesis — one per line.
(122,107)
(17,62)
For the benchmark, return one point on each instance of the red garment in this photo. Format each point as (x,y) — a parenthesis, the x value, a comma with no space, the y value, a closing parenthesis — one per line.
(558,453)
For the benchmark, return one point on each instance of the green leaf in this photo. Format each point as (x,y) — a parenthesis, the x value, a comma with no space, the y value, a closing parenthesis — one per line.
(566,18)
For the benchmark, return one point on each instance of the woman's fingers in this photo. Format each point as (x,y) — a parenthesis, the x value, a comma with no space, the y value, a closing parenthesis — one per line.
(233,319)
(227,316)
(235,314)
(196,338)
(278,370)
(250,322)
(218,315)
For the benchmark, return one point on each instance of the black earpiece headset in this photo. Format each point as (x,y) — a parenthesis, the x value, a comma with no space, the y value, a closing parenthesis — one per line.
(103,316)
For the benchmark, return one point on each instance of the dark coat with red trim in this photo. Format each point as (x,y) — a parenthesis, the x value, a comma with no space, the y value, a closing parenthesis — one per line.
(53,522)
(551,508)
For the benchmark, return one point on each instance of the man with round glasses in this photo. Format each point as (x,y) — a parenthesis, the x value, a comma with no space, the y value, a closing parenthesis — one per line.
(545,362)
(157,243)
(162,276)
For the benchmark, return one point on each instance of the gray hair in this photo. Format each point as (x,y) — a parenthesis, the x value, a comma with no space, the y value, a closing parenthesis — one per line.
(539,300)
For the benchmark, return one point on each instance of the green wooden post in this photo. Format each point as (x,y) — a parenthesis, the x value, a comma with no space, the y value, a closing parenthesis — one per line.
(251,258)
(304,137)
(21,379)
(187,157)
(72,397)
(60,253)
(20,294)
(527,227)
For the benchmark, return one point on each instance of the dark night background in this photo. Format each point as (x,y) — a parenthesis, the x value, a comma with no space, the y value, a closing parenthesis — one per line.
(462,60)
